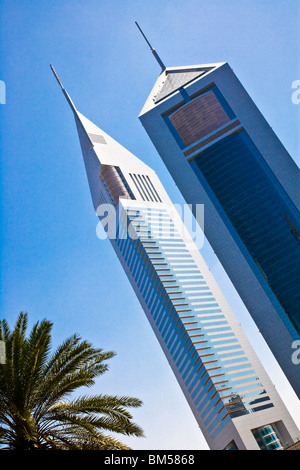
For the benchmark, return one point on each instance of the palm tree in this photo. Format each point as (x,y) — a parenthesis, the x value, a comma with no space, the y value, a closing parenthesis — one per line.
(34,385)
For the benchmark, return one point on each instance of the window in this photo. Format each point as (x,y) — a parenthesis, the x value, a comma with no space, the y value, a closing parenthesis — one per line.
(145,187)
(231,446)
(266,438)
(236,174)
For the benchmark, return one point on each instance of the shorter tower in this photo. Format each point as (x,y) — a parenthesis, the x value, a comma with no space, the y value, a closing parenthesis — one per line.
(229,392)
(222,153)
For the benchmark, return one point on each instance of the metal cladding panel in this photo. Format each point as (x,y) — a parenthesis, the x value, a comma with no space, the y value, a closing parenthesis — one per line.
(175,80)
(198,118)
(114,183)
(97,138)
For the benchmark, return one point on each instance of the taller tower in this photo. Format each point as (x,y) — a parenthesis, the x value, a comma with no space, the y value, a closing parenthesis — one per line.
(229,392)
(222,153)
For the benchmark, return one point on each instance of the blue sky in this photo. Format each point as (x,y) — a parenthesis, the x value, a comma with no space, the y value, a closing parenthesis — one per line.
(52,263)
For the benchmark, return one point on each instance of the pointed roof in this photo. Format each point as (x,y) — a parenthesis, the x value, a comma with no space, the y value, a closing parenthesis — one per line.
(175,78)
(92,138)
(108,150)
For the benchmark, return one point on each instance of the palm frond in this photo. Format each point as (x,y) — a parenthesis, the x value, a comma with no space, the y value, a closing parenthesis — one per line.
(34,385)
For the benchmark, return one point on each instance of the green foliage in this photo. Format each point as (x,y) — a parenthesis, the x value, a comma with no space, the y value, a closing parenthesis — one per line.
(36,407)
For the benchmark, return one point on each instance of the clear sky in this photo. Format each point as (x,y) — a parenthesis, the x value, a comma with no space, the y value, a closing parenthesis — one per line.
(52,263)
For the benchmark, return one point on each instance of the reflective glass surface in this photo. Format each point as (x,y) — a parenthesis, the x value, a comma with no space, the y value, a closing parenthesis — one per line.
(263,218)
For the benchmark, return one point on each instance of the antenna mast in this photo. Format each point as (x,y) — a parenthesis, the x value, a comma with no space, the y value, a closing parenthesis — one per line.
(163,67)
(63,90)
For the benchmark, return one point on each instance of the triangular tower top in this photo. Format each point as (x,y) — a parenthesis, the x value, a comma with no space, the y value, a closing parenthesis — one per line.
(93,139)
(175,79)
(172,79)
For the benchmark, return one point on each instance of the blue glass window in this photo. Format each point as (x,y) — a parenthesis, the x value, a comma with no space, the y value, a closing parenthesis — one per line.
(260,214)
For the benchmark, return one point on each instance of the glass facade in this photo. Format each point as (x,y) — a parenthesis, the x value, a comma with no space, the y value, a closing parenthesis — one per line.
(267,438)
(260,216)
(205,351)
(231,446)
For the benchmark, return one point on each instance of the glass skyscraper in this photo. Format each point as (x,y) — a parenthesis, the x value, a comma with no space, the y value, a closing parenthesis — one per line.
(222,153)
(229,392)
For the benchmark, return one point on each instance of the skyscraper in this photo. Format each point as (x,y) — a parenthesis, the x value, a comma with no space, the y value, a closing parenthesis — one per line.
(229,392)
(222,153)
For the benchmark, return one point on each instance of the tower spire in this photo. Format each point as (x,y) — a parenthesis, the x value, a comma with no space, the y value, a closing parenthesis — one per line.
(79,118)
(163,67)
(63,90)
